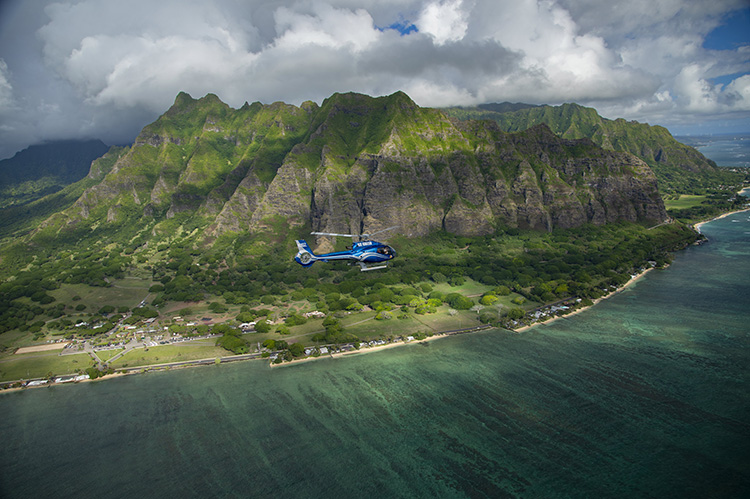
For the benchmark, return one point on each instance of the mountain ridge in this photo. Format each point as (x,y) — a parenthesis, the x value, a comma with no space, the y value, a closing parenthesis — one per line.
(355,163)
(677,166)
(46,168)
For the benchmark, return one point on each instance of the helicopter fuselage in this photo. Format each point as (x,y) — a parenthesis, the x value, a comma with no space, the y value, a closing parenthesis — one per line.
(362,253)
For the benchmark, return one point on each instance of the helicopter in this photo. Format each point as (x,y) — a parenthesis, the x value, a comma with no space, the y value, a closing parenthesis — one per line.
(363,251)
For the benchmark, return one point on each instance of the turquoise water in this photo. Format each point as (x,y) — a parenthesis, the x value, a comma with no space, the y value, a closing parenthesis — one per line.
(644,395)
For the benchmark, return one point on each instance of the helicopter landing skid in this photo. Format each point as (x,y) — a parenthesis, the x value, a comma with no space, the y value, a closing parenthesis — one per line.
(365,267)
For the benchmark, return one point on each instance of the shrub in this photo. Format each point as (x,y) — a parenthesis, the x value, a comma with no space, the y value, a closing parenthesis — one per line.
(488,300)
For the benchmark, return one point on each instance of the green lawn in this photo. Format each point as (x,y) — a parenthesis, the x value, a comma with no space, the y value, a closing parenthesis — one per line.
(169,353)
(105,355)
(36,365)
(428,323)
(469,288)
(685,201)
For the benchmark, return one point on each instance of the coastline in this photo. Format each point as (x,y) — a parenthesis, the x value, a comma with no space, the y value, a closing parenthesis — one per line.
(393,344)
(577,311)
(698,225)
(375,348)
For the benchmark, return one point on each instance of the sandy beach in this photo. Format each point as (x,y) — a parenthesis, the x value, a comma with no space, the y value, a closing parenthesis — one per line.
(367,349)
(723,215)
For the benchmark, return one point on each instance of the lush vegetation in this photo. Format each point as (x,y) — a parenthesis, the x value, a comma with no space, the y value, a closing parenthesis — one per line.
(680,169)
(496,276)
(698,207)
(138,256)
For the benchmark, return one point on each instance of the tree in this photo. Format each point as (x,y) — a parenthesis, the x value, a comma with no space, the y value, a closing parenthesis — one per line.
(234,344)
(502,290)
(262,326)
(516,313)
(217,308)
(245,317)
(488,300)
(282,329)
(269,344)
(297,349)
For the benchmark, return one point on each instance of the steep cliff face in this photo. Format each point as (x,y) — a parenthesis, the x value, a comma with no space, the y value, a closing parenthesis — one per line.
(358,163)
(470,177)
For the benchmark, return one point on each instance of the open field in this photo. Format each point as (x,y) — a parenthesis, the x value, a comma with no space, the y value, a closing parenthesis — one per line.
(469,288)
(105,355)
(685,201)
(428,323)
(169,353)
(37,365)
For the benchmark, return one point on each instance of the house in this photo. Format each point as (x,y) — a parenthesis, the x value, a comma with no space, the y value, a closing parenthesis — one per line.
(315,313)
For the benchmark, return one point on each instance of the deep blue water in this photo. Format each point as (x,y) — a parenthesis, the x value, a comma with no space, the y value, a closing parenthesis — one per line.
(644,395)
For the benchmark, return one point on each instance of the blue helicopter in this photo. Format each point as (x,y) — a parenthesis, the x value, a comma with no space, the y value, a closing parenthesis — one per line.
(363,251)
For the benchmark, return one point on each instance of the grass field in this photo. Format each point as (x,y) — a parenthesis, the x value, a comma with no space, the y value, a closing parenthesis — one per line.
(685,201)
(36,365)
(469,288)
(169,353)
(105,355)
(428,323)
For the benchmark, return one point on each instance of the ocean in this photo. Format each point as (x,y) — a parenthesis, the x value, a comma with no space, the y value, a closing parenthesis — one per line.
(643,395)
(725,149)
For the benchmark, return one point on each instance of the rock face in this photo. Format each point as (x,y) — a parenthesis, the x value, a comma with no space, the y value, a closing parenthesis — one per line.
(358,163)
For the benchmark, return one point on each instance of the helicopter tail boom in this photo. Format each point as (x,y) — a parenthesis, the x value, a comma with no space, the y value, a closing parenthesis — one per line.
(305,255)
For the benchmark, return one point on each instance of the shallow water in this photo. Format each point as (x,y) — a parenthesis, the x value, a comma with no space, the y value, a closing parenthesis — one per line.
(644,395)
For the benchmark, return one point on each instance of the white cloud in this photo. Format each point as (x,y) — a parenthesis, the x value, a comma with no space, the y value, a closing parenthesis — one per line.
(90,60)
(444,21)
(325,27)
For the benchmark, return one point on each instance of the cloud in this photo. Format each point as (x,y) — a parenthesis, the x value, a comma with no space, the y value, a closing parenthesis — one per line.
(325,27)
(108,67)
(444,21)
(6,90)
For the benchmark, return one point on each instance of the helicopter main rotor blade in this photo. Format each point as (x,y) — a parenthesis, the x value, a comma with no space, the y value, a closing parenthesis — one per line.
(332,234)
(379,231)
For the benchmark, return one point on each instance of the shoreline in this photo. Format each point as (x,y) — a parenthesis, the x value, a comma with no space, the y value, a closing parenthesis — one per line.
(698,225)
(393,344)
(333,355)
(577,311)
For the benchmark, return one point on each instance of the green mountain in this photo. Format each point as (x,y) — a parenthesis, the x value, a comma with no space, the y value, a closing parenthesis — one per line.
(46,168)
(355,163)
(678,167)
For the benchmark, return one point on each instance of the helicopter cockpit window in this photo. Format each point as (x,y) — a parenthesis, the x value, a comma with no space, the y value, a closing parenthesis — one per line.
(384,250)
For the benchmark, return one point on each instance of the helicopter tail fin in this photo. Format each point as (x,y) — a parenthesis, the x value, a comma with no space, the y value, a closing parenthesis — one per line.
(305,255)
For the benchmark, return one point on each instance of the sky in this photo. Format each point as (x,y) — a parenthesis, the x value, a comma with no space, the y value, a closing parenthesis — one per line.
(106,68)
